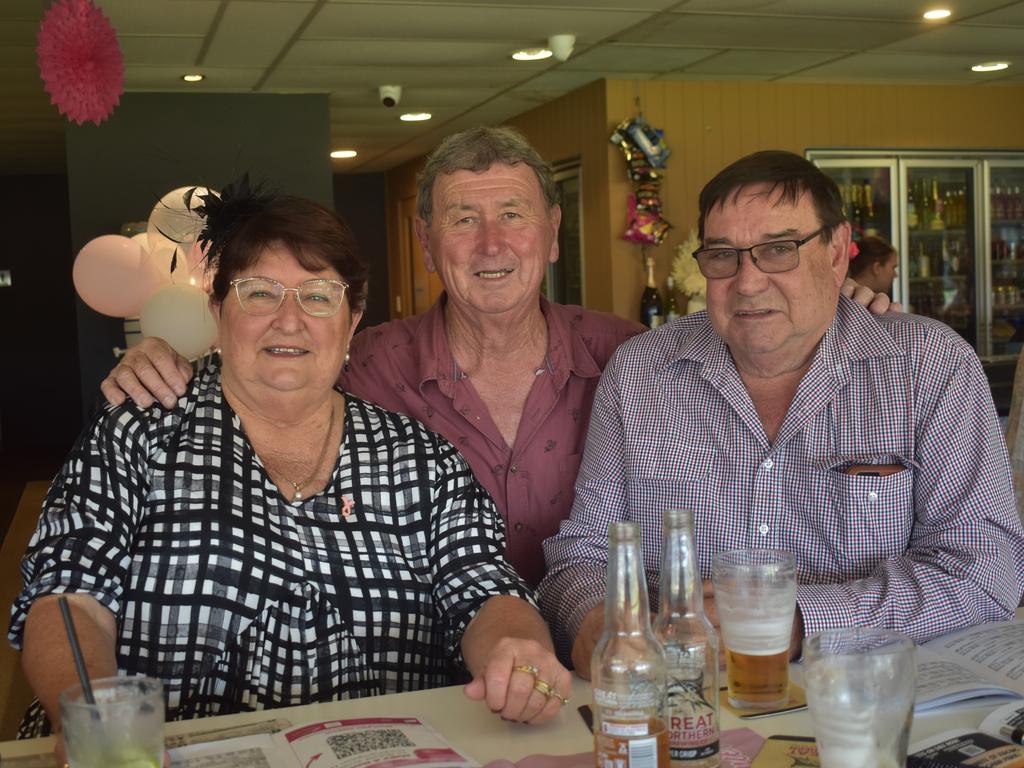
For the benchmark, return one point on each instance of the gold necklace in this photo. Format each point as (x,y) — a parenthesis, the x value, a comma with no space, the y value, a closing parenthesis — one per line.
(323,451)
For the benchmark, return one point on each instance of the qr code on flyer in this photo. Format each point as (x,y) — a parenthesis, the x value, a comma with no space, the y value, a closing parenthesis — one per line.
(356,743)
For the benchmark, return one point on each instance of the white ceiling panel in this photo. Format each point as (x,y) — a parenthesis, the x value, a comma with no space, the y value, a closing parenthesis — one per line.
(620,57)
(313,78)
(516,25)
(339,53)
(907,10)
(895,67)
(1011,15)
(160,51)
(768,63)
(253,33)
(987,42)
(145,17)
(766,32)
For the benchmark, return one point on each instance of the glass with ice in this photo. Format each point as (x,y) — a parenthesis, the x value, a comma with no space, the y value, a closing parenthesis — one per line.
(860,690)
(123,729)
(755,593)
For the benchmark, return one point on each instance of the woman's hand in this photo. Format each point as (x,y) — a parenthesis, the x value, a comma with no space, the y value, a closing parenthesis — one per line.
(522,680)
(877,303)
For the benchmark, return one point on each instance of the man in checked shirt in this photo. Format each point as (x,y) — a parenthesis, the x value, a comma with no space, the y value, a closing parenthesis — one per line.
(761,417)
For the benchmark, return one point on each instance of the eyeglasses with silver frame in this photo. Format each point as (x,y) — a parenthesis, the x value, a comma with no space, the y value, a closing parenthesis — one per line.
(771,257)
(264,295)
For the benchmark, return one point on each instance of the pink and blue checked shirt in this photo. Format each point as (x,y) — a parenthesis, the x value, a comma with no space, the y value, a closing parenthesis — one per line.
(931,548)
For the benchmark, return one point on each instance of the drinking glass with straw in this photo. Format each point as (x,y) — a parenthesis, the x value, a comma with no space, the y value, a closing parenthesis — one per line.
(113,722)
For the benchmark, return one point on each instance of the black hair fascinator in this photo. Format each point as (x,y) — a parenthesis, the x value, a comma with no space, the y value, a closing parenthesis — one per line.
(238,203)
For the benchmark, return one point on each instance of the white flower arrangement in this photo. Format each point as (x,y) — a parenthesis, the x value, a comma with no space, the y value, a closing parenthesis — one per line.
(686,274)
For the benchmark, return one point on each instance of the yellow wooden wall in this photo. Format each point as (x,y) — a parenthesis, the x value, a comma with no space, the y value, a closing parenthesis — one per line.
(708,124)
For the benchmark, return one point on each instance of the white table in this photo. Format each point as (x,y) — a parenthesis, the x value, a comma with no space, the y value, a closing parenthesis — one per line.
(470,726)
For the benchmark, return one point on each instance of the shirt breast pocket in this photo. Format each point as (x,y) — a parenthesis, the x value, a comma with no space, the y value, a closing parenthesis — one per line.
(686,479)
(864,519)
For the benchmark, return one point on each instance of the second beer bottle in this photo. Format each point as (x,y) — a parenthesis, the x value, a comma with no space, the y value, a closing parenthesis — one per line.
(628,665)
(691,649)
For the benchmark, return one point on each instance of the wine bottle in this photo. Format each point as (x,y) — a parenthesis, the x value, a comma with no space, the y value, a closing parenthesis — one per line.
(651,312)
(691,649)
(671,308)
(628,665)
(936,205)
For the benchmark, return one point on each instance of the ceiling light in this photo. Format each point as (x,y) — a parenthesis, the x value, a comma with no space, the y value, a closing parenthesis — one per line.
(938,13)
(415,117)
(990,66)
(193,78)
(531,54)
(341,154)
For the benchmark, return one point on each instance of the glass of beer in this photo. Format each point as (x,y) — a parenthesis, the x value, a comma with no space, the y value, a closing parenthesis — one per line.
(755,592)
(860,691)
(124,728)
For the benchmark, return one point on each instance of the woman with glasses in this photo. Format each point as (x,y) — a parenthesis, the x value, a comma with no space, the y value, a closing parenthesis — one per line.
(272,540)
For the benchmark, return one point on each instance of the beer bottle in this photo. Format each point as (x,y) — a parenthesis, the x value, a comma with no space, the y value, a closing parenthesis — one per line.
(691,649)
(671,307)
(628,665)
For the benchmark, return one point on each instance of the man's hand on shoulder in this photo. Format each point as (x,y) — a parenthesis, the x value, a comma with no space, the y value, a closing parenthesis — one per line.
(877,303)
(148,372)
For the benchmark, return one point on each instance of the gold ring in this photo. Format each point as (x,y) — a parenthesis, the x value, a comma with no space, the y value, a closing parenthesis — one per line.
(530,670)
(543,688)
(563,699)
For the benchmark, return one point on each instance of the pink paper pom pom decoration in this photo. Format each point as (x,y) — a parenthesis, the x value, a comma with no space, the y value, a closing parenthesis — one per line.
(80,61)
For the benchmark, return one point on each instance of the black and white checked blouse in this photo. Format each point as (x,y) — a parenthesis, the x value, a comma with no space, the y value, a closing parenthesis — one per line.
(239,600)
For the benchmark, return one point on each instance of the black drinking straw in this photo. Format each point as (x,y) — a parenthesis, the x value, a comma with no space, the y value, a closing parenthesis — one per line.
(76,650)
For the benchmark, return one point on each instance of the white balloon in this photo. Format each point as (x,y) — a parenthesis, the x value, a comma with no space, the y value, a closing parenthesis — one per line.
(172,221)
(162,255)
(180,315)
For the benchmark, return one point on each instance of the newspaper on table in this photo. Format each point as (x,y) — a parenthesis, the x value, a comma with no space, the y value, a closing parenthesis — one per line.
(995,743)
(983,663)
(365,742)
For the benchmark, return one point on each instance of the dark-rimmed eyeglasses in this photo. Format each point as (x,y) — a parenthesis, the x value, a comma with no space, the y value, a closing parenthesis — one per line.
(776,256)
(264,296)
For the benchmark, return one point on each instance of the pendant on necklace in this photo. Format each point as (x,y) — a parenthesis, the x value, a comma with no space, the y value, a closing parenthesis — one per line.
(346,507)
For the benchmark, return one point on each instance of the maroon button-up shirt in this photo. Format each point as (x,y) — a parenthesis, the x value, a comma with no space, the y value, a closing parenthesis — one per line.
(407,366)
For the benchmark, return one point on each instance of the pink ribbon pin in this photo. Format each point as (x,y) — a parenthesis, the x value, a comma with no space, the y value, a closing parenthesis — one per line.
(346,506)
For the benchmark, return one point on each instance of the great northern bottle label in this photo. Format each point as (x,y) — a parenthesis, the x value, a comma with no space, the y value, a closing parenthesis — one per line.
(692,723)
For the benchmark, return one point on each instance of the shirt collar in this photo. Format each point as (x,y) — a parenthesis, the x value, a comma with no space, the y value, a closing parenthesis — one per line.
(567,348)
(854,334)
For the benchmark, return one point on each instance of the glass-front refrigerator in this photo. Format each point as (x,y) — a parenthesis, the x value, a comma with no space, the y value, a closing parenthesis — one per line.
(870,192)
(939,243)
(1005,224)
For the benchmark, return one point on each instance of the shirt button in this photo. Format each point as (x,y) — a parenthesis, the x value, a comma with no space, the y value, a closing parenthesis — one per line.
(519,526)
(872,496)
(763,529)
(768,464)
(513,469)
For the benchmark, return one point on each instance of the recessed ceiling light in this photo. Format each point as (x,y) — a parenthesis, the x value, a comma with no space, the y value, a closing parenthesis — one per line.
(990,66)
(938,13)
(193,78)
(341,154)
(415,117)
(531,54)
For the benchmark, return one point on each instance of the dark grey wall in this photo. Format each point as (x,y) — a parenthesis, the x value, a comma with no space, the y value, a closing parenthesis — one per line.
(156,142)
(40,401)
(359,200)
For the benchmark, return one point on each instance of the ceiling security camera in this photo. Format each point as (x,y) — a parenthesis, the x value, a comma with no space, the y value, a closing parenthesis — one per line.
(390,95)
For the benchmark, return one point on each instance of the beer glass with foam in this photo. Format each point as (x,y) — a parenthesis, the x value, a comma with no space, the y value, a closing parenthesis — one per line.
(860,690)
(755,592)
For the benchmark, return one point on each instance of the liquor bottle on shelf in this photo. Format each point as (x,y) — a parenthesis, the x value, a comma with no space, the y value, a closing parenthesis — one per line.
(912,218)
(651,312)
(998,204)
(691,649)
(1016,204)
(924,267)
(856,212)
(628,665)
(671,308)
(937,221)
(870,224)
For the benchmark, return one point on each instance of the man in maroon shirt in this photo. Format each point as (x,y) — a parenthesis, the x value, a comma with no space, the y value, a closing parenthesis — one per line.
(503,374)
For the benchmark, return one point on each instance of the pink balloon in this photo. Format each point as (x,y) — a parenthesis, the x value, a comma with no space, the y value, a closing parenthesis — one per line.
(114,276)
